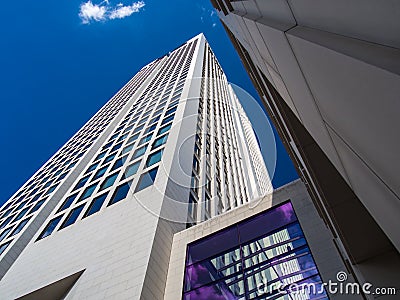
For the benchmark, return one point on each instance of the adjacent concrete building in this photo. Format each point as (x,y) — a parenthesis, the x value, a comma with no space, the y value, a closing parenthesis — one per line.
(328,73)
(282,241)
(171,149)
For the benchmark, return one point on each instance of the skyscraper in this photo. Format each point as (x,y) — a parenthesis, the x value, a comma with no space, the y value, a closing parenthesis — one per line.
(328,73)
(171,149)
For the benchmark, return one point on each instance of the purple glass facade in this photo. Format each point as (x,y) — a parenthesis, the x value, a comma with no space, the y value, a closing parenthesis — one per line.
(263,257)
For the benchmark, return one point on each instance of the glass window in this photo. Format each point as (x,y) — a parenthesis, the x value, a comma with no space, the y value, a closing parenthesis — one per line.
(107,145)
(167,119)
(68,202)
(109,181)
(164,129)
(101,155)
(109,158)
(120,193)
(4,247)
(50,190)
(173,104)
(154,158)
(20,226)
(119,163)
(146,179)
(81,182)
(154,119)
(170,111)
(100,173)
(139,152)
(37,206)
(123,137)
(137,129)
(160,141)
(50,228)
(62,176)
(72,217)
(127,149)
(6,221)
(21,214)
(223,263)
(4,233)
(145,139)
(88,192)
(151,128)
(131,170)
(96,205)
(21,205)
(92,167)
(192,209)
(133,138)
(116,147)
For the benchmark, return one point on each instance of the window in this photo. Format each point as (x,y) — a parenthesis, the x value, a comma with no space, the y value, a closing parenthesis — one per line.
(133,138)
(160,141)
(88,192)
(137,129)
(4,233)
(150,128)
(50,190)
(116,147)
(146,179)
(127,149)
(6,221)
(170,111)
(167,119)
(62,176)
(21,214)
(3,247)
(119,163)
(196,165)
(139,152)
(145,139)
(120,193)
(96,205)
(92,167)
(109,181)
(192,209)
(37,206)
(109,158)
(68,202)
(154,158)
(21,205)
(100,173)
(164,129)
(81,182)
(131,170)
(194,184)
(107,145)
(123,137)
(72,217)
(19,227)
(230,260)
(49,228)
(154,119)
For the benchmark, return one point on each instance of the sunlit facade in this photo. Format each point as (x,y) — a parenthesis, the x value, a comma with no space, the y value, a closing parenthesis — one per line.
(171,149)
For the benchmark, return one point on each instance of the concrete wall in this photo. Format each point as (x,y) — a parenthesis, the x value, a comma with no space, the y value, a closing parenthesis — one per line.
(336,66)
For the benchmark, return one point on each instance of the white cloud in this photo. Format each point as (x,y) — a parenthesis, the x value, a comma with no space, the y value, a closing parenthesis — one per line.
(92,12)
(103,11)
(125,11)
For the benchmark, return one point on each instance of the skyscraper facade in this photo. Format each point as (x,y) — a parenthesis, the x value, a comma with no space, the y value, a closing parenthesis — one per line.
(171,149)
(328,73)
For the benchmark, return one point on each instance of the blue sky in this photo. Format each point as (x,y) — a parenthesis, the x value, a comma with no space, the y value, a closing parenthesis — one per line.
(59,66)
